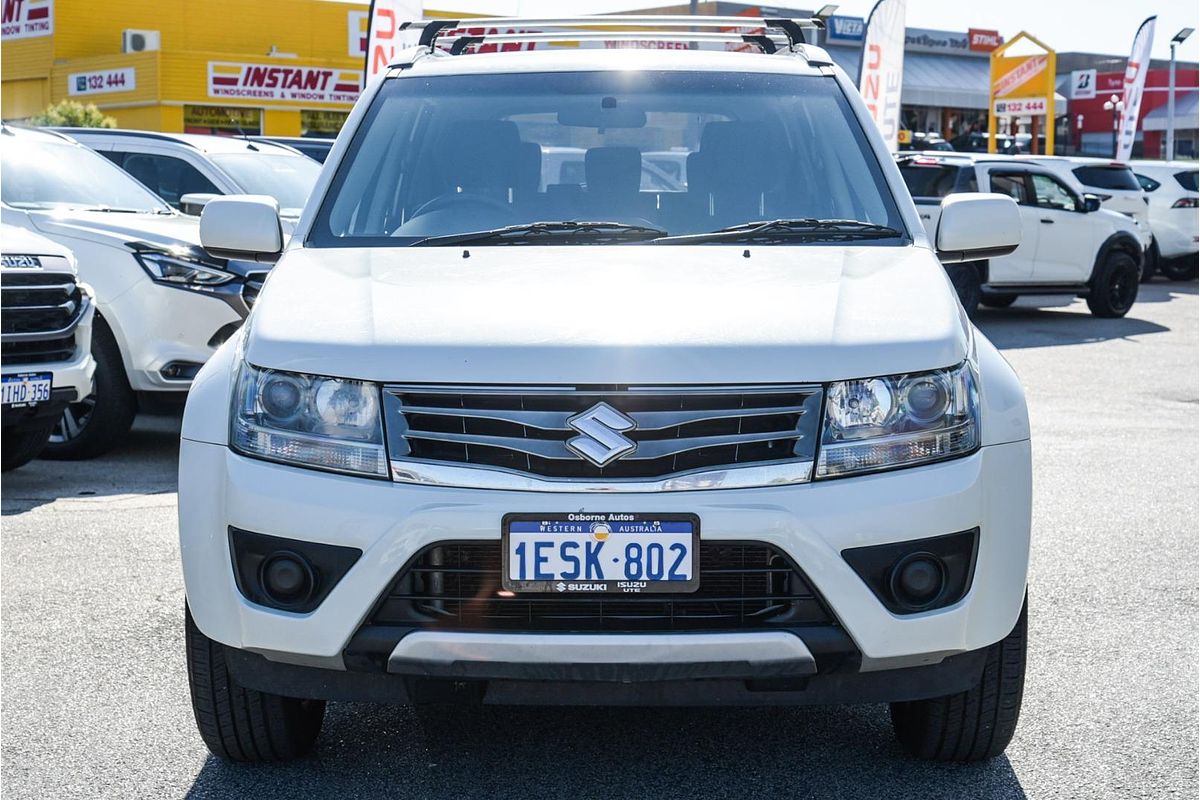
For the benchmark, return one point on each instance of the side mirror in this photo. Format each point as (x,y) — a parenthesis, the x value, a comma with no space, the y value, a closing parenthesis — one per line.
(974,226)
(193,203)
(242,226)
(1091,203)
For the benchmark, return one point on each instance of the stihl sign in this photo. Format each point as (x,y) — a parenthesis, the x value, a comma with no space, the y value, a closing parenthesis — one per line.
(983,41)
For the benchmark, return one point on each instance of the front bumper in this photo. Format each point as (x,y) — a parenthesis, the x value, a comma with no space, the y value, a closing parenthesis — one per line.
(812,523)
(72,379)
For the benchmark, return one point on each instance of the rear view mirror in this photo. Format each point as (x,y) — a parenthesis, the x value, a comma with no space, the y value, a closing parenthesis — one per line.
(242,226)
(603,114)
(975,226)
(193,203)
(1091,203)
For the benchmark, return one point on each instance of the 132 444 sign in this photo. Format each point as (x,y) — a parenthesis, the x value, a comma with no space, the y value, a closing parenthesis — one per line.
(102,81)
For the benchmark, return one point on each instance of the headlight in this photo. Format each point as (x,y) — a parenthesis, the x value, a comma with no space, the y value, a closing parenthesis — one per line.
(327,423)
(898,421)
(181,270)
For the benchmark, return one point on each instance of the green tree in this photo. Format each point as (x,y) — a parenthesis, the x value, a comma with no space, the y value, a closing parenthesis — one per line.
(73,114)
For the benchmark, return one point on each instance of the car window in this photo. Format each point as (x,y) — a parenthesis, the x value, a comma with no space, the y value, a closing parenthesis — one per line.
(1107,177)
(929,180)
(1148,184)
(1187,179)
(167,176)
(1050,193)
(289,178)
(1013,184)
(451,154)
(46,174)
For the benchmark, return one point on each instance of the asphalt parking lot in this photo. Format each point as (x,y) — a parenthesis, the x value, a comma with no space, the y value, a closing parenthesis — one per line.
(95,697)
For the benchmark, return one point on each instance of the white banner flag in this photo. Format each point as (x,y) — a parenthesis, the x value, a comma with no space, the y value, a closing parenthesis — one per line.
(1135,81)
(384,37)
(882,71)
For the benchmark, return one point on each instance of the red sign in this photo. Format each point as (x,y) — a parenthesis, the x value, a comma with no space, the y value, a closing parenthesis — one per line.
(276,82)
(983,41)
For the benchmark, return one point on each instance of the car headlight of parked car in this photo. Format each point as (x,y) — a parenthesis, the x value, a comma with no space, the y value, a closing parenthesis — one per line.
(308,420)
(894,421)
(181,267)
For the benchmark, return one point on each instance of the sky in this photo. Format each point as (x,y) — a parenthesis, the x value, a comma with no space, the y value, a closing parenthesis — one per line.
(1095,26)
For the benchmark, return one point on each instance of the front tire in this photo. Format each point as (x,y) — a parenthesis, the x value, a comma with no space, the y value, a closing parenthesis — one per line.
(1179,269)
(240,724)
(1115,286)
(20,446)
(99,422)
(976,724)
(967,285)
(999,300)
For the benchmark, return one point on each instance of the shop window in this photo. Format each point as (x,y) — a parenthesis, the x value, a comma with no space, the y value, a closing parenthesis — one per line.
(222,121)
(322,124)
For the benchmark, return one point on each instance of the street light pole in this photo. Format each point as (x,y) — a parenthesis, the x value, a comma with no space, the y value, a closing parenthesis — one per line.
(1116,105)
(1178,39)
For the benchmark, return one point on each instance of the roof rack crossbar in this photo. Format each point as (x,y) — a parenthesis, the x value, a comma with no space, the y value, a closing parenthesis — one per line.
(767,43)
(793,29)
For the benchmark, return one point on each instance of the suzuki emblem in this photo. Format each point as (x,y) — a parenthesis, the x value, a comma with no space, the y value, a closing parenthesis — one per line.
(601,439)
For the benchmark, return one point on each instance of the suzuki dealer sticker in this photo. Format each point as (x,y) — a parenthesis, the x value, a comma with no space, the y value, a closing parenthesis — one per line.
(289,83)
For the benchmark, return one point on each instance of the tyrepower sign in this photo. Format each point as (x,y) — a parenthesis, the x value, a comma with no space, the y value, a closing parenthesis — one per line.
(233,81)
(24,19)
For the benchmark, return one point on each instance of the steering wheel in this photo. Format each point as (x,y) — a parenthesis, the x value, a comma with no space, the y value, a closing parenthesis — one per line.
(459,199)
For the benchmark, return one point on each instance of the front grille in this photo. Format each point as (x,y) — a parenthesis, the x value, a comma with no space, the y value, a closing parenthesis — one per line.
(677,430)
(38,315)
(743,585)
(251,286)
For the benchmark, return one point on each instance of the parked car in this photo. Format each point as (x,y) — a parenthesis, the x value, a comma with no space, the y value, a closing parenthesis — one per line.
(45,341)
(1118,189)
(1171,194)
(1069,244)
(731,445)
(977,142)
(315,148)
(920,140)
(187,169)
(163,305)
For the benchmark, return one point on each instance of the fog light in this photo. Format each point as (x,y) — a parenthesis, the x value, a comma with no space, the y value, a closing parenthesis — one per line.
(287,578)
(918,580)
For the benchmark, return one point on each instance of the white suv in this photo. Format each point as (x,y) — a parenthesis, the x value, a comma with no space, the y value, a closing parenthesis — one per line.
(163,305)
(45,341)
(1171,193)
(1069,244)
(484,441)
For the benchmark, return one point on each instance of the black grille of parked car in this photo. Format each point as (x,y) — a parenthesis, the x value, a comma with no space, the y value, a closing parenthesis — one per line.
(743,586)
(676,430)
(38,315)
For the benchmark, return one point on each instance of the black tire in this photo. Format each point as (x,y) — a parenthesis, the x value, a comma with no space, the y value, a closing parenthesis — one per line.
(967,285)
(19,446)
(1179,269)
(1115,286)
(99,422)
(999,300)
(976,724)
(240,724)
(1151,263)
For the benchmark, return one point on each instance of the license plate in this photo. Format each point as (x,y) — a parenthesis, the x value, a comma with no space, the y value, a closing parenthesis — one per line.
(604,553)
(25,389)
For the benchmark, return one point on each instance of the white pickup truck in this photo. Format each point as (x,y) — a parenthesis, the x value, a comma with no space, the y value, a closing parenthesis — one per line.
(1069,244)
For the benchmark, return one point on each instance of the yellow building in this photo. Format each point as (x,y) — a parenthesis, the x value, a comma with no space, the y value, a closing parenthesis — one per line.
(278,67)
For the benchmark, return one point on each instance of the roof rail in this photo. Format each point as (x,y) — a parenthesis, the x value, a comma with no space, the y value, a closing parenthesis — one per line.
(617,26)
(768,44)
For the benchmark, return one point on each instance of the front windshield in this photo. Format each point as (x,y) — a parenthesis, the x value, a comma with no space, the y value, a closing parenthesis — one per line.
(682,152)
(287,178)
(57,174)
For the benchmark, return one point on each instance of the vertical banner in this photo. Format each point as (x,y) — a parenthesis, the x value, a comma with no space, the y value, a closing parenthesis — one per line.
(882,71)
(384,37)
(1135,82)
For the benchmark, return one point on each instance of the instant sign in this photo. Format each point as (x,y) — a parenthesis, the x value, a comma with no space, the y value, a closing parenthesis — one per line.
(1022,86)
(289,83)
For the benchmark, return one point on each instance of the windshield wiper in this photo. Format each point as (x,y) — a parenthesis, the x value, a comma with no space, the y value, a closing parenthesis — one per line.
(111,210)
(559,232)
(779,229)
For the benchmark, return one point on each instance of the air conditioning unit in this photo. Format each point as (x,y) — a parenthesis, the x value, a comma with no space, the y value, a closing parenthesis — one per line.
(135,41)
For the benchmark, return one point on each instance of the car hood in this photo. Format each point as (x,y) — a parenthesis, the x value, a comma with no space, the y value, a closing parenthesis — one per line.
(17,240)
(609,315)
(166,230)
